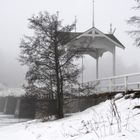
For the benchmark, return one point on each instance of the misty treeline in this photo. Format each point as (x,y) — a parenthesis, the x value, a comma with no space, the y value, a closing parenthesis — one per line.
(51,71)
(135,22)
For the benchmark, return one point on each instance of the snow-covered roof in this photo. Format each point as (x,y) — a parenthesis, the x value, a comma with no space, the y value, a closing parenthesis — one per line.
(12,92)
(110,37)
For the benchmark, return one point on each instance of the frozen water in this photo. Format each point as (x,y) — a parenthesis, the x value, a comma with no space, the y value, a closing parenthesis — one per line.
(6,120)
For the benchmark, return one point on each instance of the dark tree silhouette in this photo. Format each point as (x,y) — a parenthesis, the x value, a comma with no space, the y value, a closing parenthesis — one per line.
(135,22)
(51,69)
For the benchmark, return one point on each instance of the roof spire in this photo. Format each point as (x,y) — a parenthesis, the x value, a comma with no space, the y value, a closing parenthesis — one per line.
(111,28)
(93,16)
(112,31)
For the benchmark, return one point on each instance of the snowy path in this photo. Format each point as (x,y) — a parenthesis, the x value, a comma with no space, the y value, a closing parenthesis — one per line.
(6,120)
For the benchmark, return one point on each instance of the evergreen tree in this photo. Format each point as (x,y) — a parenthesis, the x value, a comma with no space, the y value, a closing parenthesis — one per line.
(51,69)
(135,21)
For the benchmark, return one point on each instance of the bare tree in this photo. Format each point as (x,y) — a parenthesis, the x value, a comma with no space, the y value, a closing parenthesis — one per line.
(50,61)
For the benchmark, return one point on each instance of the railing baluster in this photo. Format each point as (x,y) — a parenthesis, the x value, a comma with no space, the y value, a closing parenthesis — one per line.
(111,84)
(138,86)
(126,84)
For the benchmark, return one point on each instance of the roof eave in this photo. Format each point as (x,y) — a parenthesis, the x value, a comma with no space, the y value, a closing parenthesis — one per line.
(120,45)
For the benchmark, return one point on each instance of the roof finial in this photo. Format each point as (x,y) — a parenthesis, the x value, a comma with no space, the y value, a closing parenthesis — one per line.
(93,16)
(111,28)
(112,31)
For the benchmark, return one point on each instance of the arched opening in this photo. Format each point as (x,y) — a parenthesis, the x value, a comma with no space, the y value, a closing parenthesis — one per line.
(92,44)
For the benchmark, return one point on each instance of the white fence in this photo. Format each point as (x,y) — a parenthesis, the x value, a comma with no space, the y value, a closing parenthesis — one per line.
(116,84)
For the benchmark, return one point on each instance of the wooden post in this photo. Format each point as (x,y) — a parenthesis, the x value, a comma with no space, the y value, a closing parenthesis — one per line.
(138,86)
(114,61)
(97,67)
(17,109)
(111,85)
(114,67)
(82,70)
(125,84)
(5,106)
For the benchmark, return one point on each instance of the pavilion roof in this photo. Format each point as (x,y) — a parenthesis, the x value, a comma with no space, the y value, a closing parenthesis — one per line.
(111,37)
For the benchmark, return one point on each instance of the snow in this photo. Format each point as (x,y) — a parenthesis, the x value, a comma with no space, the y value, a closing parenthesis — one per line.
(118,96)
(12,92)
(95,123)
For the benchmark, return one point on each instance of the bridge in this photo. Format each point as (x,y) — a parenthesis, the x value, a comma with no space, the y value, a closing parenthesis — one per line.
(85,95)
(119,83)
(95,43)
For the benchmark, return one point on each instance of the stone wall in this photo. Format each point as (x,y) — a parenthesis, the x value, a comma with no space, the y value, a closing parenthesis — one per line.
(26,107)
(47,107)
(2,104)
(29,107)
(10,105)
(78,104)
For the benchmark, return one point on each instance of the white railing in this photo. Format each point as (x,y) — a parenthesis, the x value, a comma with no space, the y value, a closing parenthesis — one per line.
(116,83)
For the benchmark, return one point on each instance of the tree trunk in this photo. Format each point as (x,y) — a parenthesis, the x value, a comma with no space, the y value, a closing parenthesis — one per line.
(61,96)
(58,84)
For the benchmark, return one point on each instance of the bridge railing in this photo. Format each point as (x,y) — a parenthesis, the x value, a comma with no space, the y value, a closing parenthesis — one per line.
(116,83)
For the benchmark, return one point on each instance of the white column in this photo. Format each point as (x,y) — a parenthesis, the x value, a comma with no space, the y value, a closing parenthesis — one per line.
(114,61)
(82,70)
(17,109)
(97,67)
(5,105)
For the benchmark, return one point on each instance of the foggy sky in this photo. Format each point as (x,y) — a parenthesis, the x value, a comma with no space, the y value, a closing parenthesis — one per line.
(14,16)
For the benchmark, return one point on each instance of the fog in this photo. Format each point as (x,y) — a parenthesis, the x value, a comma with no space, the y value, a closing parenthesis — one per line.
(105,67)
(14,23)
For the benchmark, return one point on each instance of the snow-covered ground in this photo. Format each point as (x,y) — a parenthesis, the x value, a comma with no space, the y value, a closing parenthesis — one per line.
(106,121)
